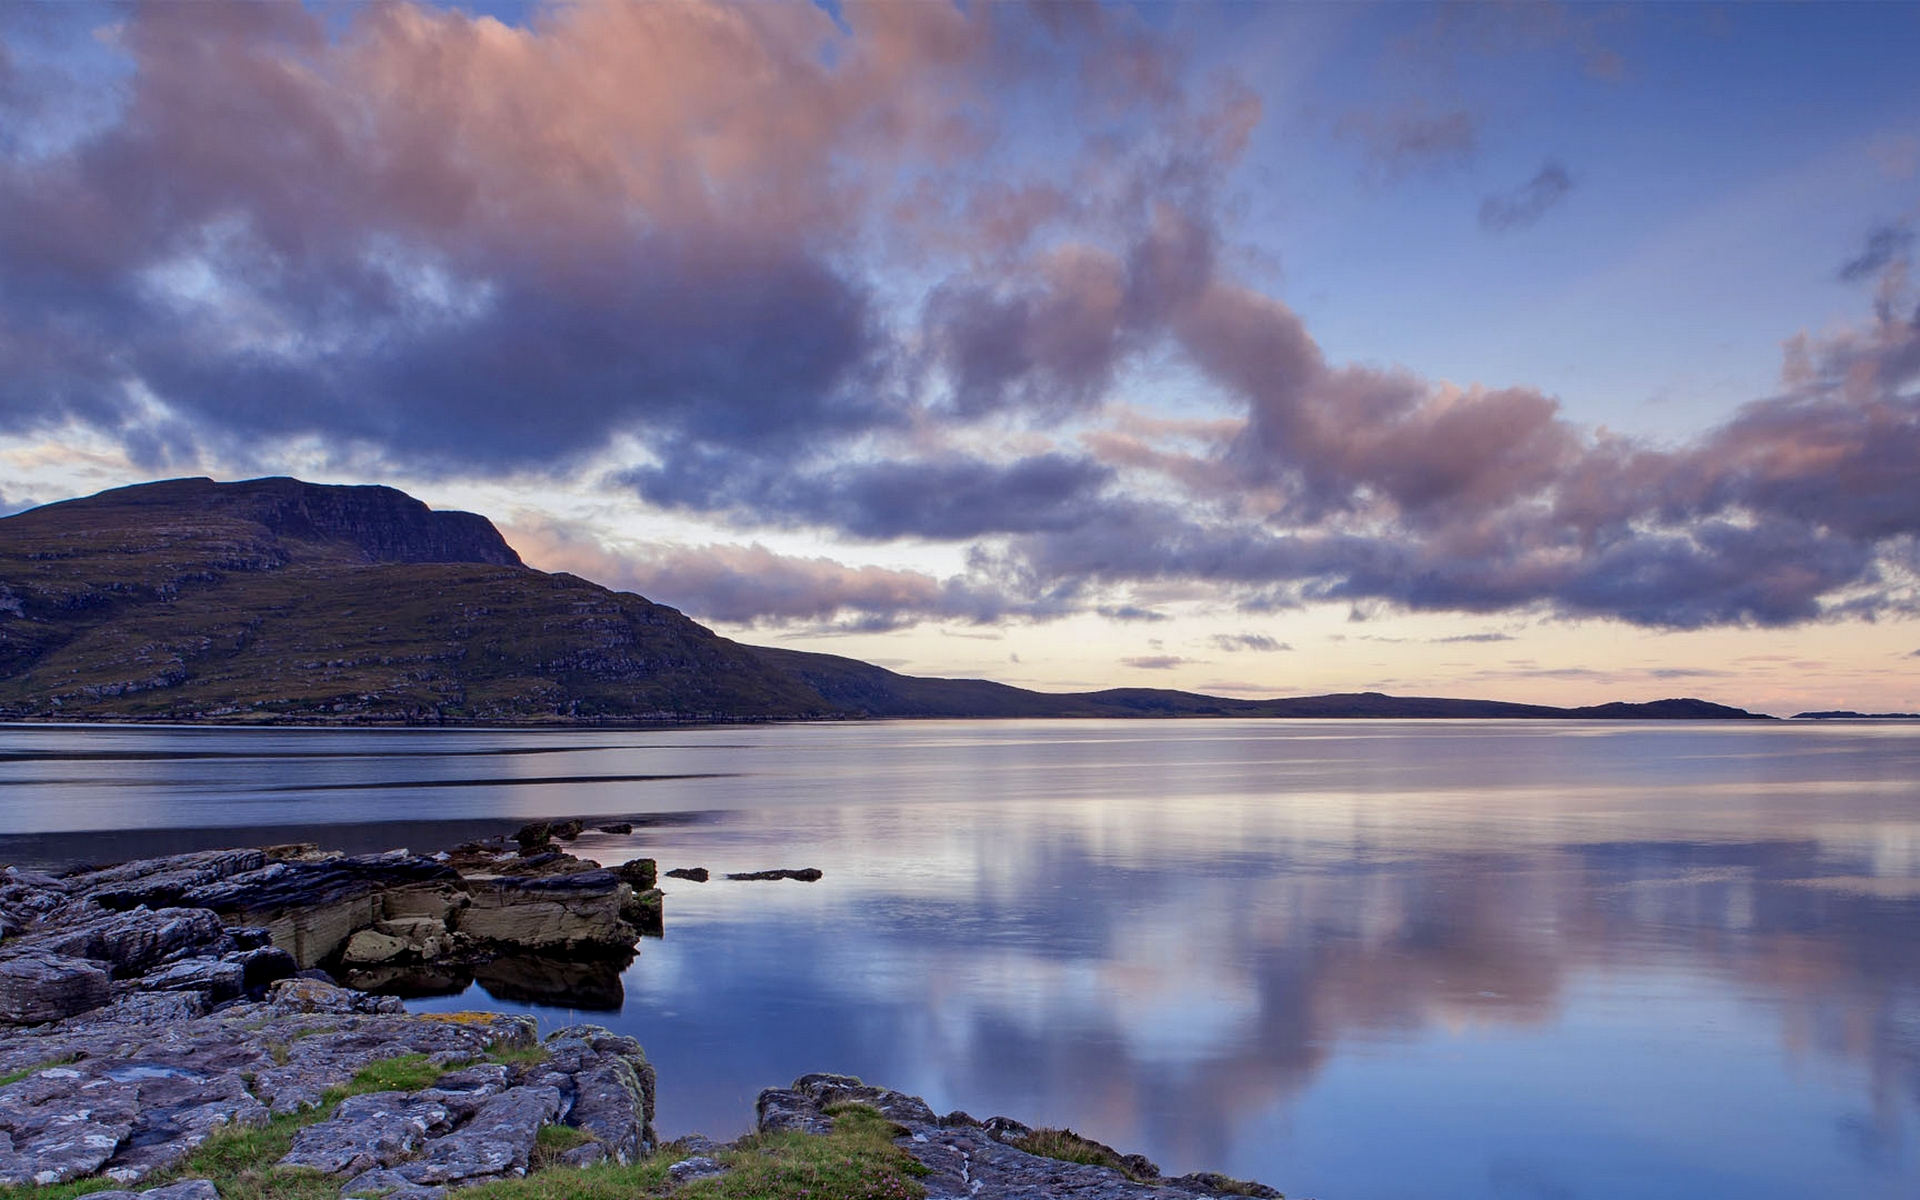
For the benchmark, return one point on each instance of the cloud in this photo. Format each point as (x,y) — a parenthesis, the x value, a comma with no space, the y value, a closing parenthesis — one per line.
(1471,637)
(802,274)
(1883,245)
(420,236)
(1234,642)
(1130,612)
(1410,136)
(1524,205)
(1156,662)
(950,497)
(752,585)
(1371,486)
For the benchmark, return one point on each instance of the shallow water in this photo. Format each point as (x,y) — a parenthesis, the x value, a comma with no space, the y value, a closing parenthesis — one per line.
(1351,959)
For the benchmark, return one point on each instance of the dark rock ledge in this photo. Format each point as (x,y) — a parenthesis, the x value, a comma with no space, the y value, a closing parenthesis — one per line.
(146,1007)
(129,1090)
(219,925)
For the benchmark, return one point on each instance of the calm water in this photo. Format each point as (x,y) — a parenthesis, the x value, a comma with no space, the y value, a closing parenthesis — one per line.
(1361,960)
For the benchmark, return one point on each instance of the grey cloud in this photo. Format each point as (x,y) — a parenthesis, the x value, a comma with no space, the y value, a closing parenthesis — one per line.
(1130,612)
(1156,662)
(413,244)
(1524,205)
(951,497)
(1471,637)
(1883,245)
(753,585)
(1234,642)
(1411,135)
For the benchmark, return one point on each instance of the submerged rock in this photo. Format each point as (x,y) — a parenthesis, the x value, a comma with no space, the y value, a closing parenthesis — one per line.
(804,874)
(696,874)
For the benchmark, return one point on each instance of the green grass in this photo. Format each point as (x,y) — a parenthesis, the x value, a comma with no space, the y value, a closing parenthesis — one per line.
(857,1161)
(23,1072)
(406,1073)
(243,1161)
(1068,1146)
(515,1056)
(554,1140)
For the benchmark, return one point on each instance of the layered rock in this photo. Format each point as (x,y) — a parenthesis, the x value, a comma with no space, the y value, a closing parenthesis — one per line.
(218,925)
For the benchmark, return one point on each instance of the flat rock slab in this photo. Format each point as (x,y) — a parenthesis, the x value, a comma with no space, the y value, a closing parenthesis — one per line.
(130,1089)
(186,1189)
(40,985)
(365,1132)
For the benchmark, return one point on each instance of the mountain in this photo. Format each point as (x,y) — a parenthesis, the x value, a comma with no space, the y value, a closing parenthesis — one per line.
(275,599)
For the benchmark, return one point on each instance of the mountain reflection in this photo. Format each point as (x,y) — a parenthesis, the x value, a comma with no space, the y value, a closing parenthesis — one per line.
(1353,959)
(1161,1006)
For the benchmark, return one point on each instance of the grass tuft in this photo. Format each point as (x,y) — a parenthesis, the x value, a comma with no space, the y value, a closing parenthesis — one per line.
(23,1072)
(405,1073)
(554,1140)
(1068,1146)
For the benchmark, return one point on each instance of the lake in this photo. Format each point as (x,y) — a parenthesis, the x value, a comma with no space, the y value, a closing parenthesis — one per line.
(1363,960)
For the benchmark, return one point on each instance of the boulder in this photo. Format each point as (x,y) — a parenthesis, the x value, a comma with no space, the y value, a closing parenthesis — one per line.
(128,943)
(556,913)
(52,1135)
(497,1141)
(311,909)
(162,882)
(438,901)
(408,939)
(804,874)
(618,827)
(638,873)
(534,835)
(646,912)
(697,1167)
(696,874)
(216,979)
(566,831)
(613,1086)
(379,1129)
(39,986)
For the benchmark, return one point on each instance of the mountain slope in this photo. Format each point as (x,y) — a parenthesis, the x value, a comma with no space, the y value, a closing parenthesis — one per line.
(190,598)
(278,599)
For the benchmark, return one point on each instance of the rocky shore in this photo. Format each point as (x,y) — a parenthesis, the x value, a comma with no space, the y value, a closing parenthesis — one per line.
(180,1028)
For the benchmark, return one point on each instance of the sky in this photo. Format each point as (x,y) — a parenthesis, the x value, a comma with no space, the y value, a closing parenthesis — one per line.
(1530,351)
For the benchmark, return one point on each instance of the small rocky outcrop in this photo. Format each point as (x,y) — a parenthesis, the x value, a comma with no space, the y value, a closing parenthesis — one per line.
(976,1160)
(694,874)
(220,925)
(804,874)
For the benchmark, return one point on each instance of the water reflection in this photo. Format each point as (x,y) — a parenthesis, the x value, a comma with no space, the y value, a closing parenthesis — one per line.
(1366,960)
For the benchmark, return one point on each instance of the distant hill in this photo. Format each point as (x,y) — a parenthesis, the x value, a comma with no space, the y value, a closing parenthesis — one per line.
(1842,714)
(275,599)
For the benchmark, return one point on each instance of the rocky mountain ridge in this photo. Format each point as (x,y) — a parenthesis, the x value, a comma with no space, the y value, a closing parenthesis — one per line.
(278,600)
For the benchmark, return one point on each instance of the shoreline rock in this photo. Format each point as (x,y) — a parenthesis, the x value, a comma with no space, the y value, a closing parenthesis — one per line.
(150,1005)
(219,925)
